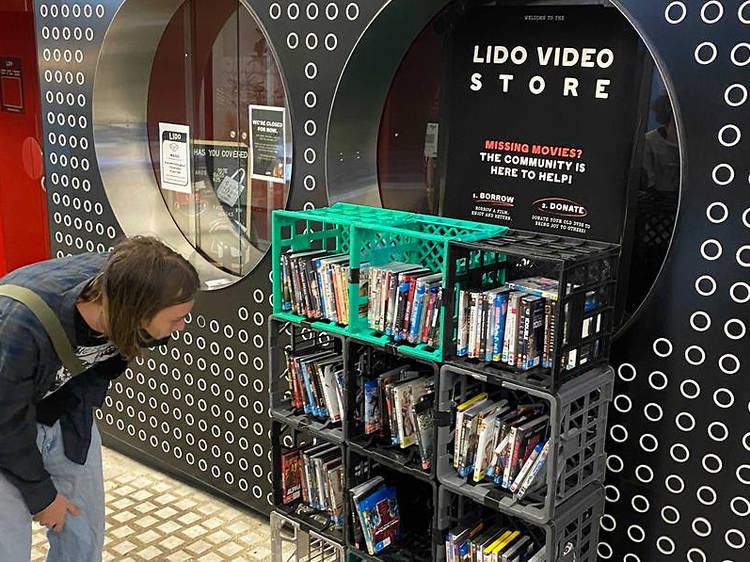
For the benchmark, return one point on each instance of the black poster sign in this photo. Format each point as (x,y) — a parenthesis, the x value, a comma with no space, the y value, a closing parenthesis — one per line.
(542,119)
(220,179)
(267,143)
(11,85)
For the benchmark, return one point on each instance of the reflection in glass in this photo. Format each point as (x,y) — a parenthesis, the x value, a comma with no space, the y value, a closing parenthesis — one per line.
(212,63)
(408,138)
(657,195)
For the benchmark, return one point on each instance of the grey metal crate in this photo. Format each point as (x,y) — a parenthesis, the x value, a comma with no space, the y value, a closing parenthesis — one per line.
(282,333)
(572,536)
(291,543)
(287,437)
(417,501)
(578,425)
(378,445)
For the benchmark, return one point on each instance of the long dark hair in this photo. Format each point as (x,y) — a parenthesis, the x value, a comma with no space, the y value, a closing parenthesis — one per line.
(142,277)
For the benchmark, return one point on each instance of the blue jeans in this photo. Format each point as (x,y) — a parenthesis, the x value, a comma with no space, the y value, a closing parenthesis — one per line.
(82,539)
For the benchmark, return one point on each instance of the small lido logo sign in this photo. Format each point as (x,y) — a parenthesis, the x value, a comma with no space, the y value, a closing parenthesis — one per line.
(560,207)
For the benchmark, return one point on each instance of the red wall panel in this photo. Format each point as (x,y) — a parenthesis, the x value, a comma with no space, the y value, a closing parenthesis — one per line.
(24,235)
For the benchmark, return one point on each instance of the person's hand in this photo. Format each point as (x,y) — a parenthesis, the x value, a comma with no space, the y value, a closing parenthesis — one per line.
(53,516)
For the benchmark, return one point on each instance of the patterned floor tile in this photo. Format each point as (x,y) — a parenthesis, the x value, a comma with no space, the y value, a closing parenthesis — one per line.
(154,518)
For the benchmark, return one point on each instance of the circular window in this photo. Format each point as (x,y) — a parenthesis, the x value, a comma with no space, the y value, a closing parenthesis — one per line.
(466,115)
(206,155)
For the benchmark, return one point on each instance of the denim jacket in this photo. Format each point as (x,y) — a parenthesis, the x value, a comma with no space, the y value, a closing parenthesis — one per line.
(28,364)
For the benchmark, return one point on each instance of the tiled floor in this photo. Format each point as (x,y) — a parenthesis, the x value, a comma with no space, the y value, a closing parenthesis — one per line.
(154,518)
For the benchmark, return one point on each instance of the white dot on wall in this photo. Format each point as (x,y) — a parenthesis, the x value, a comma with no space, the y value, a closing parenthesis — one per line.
(332,11)
(735,95)
(735,539)
(700,321)
(636,534)
(608,523)
(717,212)
(618,433)
(729,135)
(623,403)
(705,53)
(735,329)
(711,249)
(665,545)
(722,174)
(706,495)
(718,431)
(311,70)
(653,412)
(644,473)
(292,40)
(615,463)
(274,11)
(712,463)
(741,15)
(658,380)
(695,355)
(670,515)
(685,421)
(674,484)
(740,54)
(740,506)
(705,285)
(743,256)
(701,527)
(352,11)
(331,42)
(723,398)
(740,292)
(743,474)
(640,503)
(649,442)
(611,493)
(604,551)
(662,347)
(626,372)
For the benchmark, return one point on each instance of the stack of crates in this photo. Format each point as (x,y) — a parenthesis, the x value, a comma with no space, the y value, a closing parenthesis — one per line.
(574,387)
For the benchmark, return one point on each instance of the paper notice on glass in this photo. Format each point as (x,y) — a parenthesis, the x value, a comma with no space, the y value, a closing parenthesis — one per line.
(267,148)
(175,157)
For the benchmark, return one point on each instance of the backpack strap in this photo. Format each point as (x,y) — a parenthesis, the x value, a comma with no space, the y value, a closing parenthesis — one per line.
(51,324)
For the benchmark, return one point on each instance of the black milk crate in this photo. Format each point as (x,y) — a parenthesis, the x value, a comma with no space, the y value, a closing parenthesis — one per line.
(283,334)
(586,272)
(285,438)
(290,541)
(572,536)
(417,500)
(376,360)
(577,430)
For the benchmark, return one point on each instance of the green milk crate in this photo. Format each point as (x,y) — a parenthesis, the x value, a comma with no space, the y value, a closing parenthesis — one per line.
(326,228)
(374,236)
(422,240)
